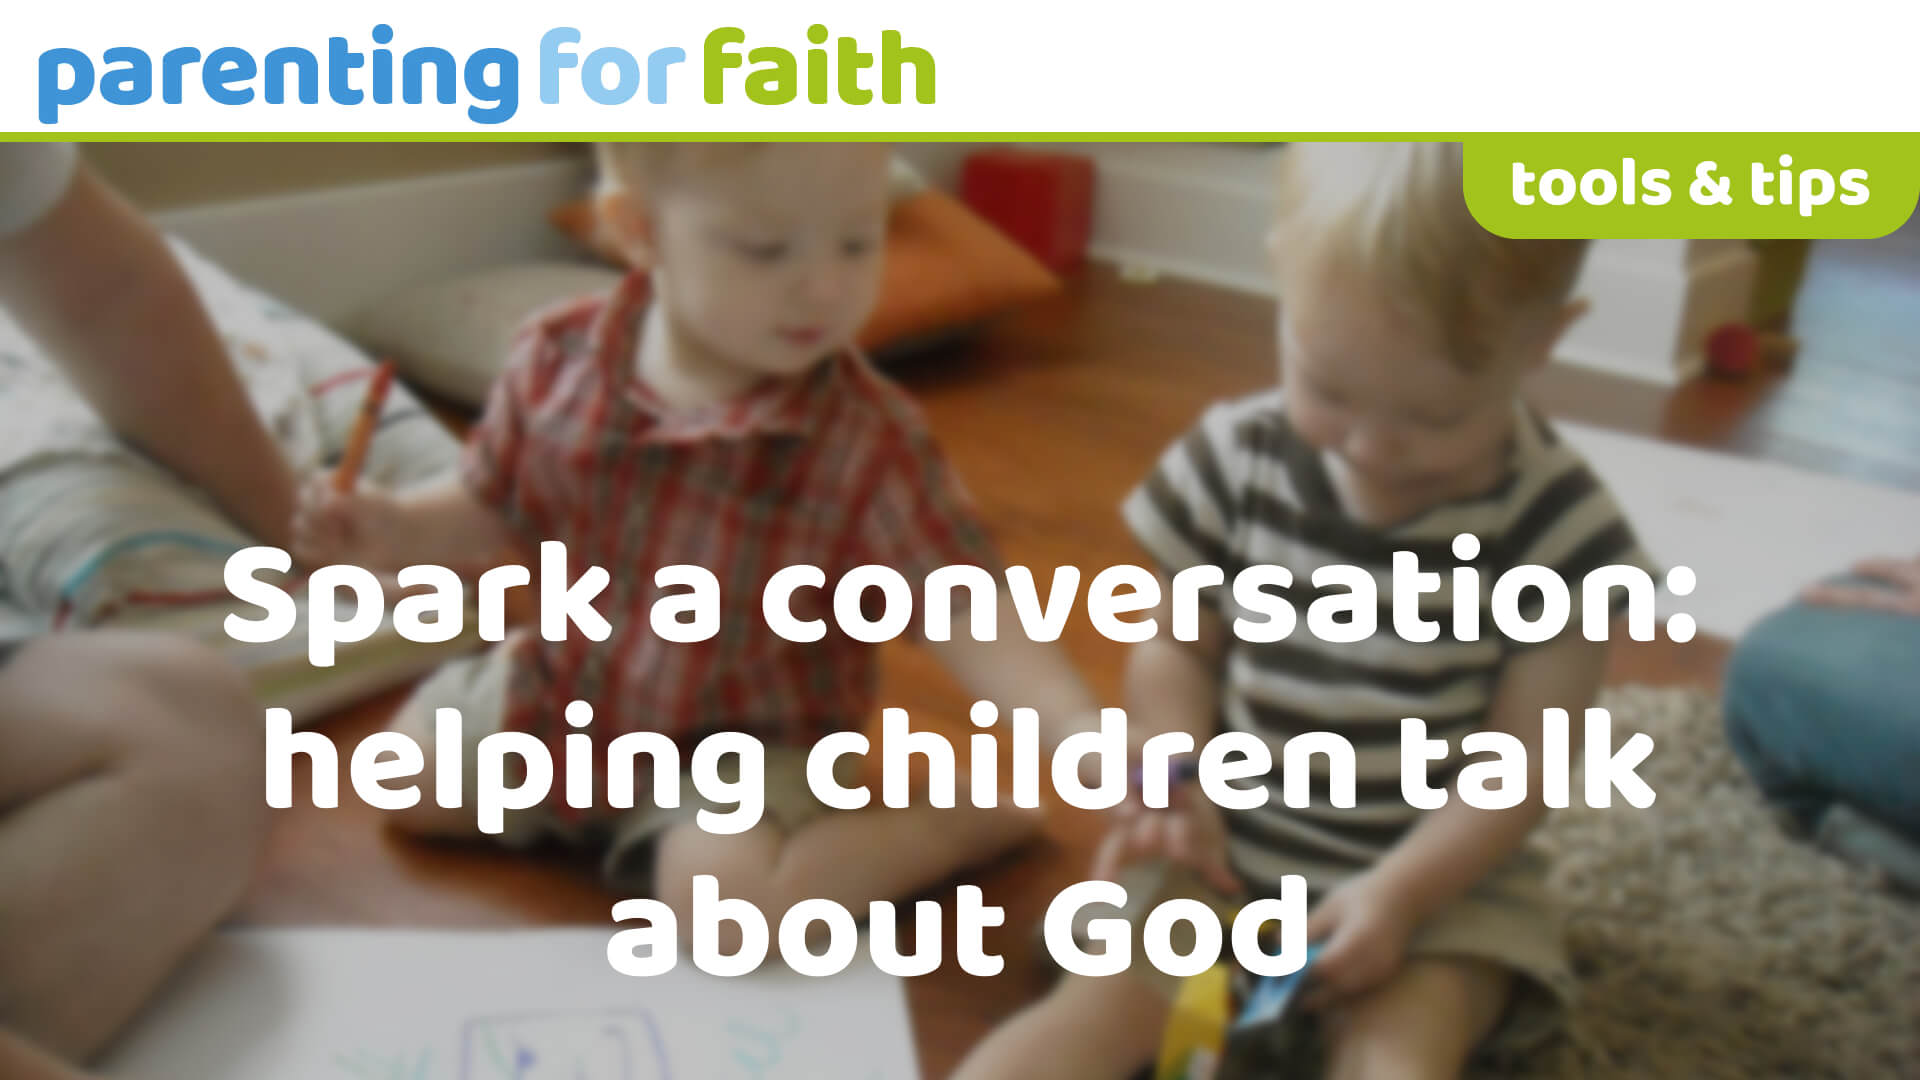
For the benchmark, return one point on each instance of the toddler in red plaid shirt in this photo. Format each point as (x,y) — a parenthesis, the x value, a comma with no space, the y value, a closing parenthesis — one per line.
(711,412)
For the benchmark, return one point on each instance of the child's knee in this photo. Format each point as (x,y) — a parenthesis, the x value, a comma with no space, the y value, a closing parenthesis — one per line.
(427,818)
(1422,1025)
(1124,1008)
(1384,1058)
(141,688)
(1125,996)
(475,687)
(183,675)
(212,697)
(197,761)
(201,711)
(744,867)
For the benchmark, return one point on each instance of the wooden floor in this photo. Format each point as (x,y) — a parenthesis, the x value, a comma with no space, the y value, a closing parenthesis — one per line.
(1051,417)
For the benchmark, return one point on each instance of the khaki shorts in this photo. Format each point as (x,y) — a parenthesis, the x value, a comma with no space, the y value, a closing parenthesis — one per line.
(1508,920)
(477,685)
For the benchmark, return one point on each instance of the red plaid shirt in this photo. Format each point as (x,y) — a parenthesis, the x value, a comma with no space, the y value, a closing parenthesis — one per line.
(835,470)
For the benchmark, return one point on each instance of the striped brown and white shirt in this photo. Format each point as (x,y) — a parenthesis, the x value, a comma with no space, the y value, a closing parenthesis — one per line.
(1242,489)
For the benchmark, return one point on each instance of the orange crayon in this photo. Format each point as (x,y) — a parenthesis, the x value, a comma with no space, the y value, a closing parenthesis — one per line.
(348,474)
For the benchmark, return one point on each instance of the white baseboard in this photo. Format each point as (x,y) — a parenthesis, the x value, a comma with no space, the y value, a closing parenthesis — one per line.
(1189,210)
(1193,211)
(1200,212)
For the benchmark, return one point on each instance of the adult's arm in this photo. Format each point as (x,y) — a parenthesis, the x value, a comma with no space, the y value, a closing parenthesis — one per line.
(97,287)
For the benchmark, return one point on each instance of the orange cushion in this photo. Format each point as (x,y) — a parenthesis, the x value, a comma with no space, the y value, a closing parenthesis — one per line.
(580,221)
(946,267)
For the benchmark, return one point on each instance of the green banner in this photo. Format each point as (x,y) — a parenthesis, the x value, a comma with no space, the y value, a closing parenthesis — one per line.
(1695,186)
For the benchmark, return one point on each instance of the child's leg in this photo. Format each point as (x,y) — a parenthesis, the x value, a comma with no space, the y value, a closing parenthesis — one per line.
(475,684)
(131,815)
(1086,1028)
(1423,1023)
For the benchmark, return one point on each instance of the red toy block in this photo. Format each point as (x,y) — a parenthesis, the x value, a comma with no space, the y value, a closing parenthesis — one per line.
(1736,351)
(1042,200)
(1733,351)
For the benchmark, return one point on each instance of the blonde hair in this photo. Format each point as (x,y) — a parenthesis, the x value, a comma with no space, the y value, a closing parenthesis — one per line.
(649,167)
(1399,210)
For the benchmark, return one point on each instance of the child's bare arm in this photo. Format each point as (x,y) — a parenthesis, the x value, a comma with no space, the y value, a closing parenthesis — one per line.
(1014,670)
(445,525)
(1174,685)
(1171,685)
(97,286)
(1455,846)
(1365,922)
(458,529)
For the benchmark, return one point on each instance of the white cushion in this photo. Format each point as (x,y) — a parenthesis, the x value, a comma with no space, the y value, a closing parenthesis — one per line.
(451,336)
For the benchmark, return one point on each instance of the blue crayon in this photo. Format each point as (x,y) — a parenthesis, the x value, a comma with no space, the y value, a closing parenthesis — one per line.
(1178,772)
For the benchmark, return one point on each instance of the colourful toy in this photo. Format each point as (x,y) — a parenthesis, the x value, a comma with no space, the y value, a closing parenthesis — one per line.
(1215,1033)
(1196,1035)
(1042,200)
(1270,998)
(1178,773)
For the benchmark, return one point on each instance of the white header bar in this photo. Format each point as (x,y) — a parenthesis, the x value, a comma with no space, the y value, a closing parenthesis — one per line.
(990,66)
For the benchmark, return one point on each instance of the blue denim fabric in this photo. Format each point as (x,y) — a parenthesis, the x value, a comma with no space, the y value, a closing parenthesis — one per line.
(1823,708)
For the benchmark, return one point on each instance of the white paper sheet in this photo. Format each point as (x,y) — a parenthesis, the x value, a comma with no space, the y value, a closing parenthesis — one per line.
(338,1004)
(1754,532)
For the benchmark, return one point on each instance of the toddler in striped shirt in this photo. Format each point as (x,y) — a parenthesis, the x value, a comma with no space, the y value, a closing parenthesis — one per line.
(1405,333)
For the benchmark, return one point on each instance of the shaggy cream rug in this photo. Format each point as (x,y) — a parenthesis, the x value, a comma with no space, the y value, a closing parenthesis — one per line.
(1710,943)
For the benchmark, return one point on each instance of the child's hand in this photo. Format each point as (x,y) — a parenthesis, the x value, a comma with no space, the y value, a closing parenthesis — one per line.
(1190,831)
(1365,928)
(1891,585)
(359,528)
